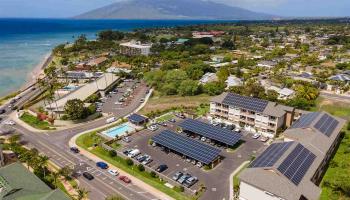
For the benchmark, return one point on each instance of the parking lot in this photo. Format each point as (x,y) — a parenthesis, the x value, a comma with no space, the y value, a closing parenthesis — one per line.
(117,100)
(216,180)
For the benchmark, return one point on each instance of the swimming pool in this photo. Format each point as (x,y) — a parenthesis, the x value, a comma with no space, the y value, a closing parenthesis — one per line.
(118,130)
(70,87)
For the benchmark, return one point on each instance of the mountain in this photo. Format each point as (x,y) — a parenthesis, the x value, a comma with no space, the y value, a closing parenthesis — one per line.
(172,9)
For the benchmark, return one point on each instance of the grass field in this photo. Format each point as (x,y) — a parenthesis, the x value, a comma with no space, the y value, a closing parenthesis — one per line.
(87,140)
(159,103)
(336,182)
(35,122)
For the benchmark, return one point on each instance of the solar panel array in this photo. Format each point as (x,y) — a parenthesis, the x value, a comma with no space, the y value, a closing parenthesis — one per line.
(249,103)
(326,124)
(137,118)
(270,156)
(305,120)
(212,132)
(187,146)
(296,164)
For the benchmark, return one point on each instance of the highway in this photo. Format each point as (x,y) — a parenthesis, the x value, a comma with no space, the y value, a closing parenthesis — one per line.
(55,146)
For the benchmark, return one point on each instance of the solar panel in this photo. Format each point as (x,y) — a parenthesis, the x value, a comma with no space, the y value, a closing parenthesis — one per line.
(296,164)
(212,132)
(187,146)
(249,103)
(269,157)
(305,120)
(136,118)
(326,124)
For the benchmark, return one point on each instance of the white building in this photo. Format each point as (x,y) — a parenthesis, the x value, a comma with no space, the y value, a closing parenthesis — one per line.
(284,93)
(133,48)
(233,81)
(208,78)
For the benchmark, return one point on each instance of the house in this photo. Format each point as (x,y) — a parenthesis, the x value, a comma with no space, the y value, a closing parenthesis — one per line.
(267,64)
(341,77)
(283,93)
(217,59)
(181,41)
(208,78)
(293,169)
(233,81)
(17,182)
(250,113)
(134,48)
(218,65)
(97,61)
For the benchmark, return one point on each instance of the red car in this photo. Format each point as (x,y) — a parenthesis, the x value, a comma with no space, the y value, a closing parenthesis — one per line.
(125,179)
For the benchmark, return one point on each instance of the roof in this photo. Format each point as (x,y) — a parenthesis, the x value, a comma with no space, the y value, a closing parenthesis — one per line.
(340,77)
(135,118)
(187,146)
(85,91)
(319,129)
(307,144)
(97,61)
(137,45)
(286,92)
(212,132)
(249,103)
(208,77)
(19,183)
(285,170)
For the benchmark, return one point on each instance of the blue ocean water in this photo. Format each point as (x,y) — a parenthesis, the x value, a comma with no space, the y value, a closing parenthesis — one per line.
(24,43)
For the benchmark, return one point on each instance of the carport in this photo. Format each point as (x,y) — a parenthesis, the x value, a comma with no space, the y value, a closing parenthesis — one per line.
(218,134)
(138,120)
(191,148)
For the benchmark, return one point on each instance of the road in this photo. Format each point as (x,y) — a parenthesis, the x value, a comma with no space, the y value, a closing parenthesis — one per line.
(55,145)
(336,97)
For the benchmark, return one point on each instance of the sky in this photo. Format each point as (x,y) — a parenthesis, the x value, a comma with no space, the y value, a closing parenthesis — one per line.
(69,8)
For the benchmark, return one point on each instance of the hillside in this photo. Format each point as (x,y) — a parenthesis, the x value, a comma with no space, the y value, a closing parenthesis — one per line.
(170,9)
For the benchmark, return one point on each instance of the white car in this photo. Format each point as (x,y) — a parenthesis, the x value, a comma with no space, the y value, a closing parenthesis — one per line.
(113,172)
(10,122)
(237,130)
(256,136)
(118,103)
(153,127)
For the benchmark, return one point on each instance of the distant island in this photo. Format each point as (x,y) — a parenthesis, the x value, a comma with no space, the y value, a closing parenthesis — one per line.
(179,9)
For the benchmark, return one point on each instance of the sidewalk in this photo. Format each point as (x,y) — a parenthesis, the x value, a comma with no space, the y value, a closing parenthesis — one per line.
(136,181)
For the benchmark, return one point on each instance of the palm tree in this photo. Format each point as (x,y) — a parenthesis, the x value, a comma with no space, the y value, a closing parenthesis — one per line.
(42,163)
(66,172)
(82,193)
(55,176)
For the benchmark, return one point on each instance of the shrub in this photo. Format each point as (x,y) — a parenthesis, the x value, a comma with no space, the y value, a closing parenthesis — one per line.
(153,174)
(348,127)
(112,153)
(129,162)
(141,168)
(179,188)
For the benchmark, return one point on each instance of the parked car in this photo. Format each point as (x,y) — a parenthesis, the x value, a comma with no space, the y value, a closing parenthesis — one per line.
(153,127)
(237,130)
(190,181)
(125,179)
(177,176)
(256,136)
(74,149)
(161,168)
(203,139)
(141,158)
(10,122)
(2,111)
(118,103)
(102,165)
(113,172)
(183,178)
(133,153)
(88,176)
(172,120)
(163,124)
(199,164)
(126,152)
(147,161)
(142,100)
(126,139)
(264,139)
(194,162)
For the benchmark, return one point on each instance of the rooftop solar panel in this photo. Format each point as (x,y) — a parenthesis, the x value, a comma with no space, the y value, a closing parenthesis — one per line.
(326,124)
(296,164)
(212,132)
(187,146)
(249,103)
(269,157)
(137,118)
(305,120)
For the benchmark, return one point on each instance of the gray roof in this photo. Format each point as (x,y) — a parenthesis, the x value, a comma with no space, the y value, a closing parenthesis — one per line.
(340,77)
(250,103)
(271,180)
(19,183)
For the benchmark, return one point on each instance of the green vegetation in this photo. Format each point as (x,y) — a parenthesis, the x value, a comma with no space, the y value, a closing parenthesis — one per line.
(336,182)
(35,122)
(86,141)
(75,109)
(6,98)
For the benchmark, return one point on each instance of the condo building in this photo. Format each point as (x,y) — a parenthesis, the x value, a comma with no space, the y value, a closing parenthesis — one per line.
(133,48)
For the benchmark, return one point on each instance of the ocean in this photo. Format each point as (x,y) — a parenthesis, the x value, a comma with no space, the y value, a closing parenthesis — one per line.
(24,43)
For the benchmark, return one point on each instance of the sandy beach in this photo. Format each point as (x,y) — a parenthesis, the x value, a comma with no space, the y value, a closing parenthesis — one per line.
(37,71)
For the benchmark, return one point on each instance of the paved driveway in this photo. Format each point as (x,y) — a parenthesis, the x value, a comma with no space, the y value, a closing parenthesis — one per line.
(216,180)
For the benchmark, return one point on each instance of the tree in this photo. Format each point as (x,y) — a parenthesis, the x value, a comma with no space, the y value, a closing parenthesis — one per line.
(42,163)
(223,73)
(188,88)
(82,193)
(129,162)
(228,44)
(214,88)
(112,153)
(66,172)
(272,95)
(140,167)
(55,176)
(75,109)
